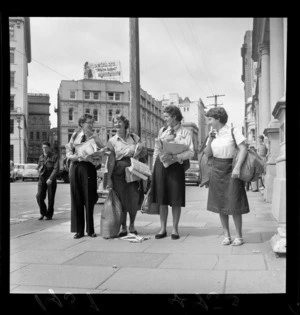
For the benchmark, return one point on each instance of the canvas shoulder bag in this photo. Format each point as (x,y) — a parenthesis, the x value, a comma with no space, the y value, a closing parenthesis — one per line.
(252,167)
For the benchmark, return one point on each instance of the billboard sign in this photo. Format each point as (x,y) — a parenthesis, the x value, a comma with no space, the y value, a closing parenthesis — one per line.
(102,70)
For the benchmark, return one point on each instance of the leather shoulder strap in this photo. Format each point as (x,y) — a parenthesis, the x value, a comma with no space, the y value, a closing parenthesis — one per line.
(233,137)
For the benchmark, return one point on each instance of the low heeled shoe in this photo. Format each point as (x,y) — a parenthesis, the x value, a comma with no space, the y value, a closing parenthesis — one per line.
(159,236)
(93,235)
(78,235)
(175,236)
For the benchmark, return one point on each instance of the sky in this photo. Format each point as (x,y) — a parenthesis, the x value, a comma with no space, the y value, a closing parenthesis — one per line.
(193,57)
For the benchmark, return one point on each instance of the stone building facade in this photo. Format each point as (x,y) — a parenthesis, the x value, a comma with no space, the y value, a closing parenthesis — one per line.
(38,124)
(20,56)
(102,98)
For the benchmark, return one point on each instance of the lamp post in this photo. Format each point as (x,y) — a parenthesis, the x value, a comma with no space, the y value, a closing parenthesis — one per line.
(19,127)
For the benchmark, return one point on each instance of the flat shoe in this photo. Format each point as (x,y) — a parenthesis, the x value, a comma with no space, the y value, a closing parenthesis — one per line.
(49,218)
(121,234)
(93,235)
(159,236)
(134,232)
(237,242)
(226,241)
(175,236)
(78,235)
(41,217)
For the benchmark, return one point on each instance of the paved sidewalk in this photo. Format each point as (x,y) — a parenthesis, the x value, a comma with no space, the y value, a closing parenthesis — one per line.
(196,263)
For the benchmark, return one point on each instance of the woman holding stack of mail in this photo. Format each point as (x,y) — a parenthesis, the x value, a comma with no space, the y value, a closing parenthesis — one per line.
(123,146)
(168,179)
(83,177)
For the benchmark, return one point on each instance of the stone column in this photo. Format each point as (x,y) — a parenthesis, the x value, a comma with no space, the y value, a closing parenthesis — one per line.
(264,87)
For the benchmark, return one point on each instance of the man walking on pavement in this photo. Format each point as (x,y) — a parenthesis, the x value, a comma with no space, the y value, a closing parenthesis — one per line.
(48,168)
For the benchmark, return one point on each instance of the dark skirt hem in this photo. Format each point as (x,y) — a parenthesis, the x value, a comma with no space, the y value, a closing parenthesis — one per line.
(228,211)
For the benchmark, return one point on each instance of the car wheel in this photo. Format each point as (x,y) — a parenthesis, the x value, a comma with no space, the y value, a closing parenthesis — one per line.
(23,179)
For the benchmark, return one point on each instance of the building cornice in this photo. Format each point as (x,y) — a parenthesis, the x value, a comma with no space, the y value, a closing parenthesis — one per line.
(279,107)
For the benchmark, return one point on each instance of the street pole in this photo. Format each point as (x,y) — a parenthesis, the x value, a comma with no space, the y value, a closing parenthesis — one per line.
(134,108)
(216,99)
(19,127)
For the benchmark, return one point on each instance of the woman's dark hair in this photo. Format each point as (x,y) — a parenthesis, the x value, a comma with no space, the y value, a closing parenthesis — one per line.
(119,116)
(47,143)
(218,113)
(173,111)
(261,137)
(83,119)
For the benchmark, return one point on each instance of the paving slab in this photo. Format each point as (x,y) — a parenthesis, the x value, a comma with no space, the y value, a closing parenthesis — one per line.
(120,260)
(111,245)
(55,244)
(43,257)
(143,280)
(189,262)
(252,248)
(188,248)
(240,262)
(48,290)
(275,262)
(243,282)
(16,266)
(62,276)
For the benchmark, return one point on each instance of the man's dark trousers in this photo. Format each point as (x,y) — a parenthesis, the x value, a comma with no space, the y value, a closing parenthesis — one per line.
(41,196)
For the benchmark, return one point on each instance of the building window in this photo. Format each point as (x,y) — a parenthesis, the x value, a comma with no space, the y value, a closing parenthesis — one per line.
(70,132)
(95,114)
(41,121)
(86,95)
(96,95)
(12,56)
(31,135)
(12,152)
(110,115)
(11,126)
(114,96)
(71,114)
(72,94)
(37,136)
(12,79)
(87,111)
(12,102)
(44,136)
(11,31)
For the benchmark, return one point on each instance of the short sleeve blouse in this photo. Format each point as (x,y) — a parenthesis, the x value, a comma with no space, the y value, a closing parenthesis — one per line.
(223,146)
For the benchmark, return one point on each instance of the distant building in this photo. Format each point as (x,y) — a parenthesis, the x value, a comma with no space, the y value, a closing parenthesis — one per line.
(249,79)
(38,124)
(53,139)
(102,98)
(20,56)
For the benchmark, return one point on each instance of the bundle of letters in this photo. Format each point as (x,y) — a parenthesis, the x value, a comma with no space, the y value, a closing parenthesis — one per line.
(87,148)
(137,171)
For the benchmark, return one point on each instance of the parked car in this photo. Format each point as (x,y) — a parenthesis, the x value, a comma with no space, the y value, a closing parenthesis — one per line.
(12,172)
(30,172)
(192,175)
(19,169)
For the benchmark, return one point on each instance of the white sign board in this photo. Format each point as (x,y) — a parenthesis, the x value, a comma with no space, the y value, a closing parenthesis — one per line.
(102,70)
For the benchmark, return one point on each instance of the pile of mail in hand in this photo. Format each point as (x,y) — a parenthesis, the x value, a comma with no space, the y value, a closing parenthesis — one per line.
(136,171)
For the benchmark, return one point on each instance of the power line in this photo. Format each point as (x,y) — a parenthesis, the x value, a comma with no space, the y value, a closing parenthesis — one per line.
(181,57)
(44,65)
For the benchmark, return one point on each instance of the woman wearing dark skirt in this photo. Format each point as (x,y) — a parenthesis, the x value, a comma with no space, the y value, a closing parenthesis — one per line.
(168,180)
(123,146)
(227,194)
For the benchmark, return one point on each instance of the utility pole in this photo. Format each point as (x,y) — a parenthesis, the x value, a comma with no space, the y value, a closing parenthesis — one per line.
(216,101)
(134,108)
(20,147)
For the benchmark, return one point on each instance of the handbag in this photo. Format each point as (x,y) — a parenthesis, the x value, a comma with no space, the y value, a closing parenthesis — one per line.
(148,206)
(253,165)
(186,165)
(205,165)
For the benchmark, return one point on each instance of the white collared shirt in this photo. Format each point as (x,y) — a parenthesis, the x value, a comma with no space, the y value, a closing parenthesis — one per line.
(223,146)
(182,136)
(121,147)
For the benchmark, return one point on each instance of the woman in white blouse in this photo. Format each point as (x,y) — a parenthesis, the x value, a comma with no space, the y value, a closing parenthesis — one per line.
(227,194)
(168,180)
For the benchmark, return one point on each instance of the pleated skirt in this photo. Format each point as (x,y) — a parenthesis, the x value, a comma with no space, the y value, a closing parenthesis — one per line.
(226,195)
(168,184)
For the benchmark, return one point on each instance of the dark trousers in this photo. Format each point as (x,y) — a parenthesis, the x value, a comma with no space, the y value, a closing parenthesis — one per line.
(43,189)
(83,184)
